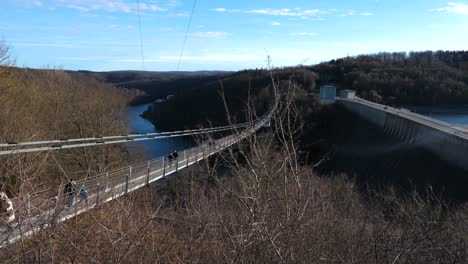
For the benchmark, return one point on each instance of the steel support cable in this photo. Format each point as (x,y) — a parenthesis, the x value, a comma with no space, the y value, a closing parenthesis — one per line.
(65,141)
(120,141)
(186,33)
(141,35)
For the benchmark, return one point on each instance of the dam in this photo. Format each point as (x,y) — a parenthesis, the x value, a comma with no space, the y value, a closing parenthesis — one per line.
(448,142)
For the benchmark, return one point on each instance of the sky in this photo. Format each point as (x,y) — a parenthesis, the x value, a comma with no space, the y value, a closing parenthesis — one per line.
(104,35)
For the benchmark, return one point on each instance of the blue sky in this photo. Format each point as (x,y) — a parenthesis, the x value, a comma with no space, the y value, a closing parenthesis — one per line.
(103,35)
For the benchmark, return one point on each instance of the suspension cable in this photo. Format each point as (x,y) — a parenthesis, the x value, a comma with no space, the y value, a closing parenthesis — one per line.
(117,139)
(104,138)
(141,36)
(186,33)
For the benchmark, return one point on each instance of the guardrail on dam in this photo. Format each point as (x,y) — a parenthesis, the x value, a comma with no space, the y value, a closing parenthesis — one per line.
(442,139)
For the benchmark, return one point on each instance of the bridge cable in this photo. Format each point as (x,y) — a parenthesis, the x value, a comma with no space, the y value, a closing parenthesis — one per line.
(117,140)
(186,33)
(141,35)
(135,134)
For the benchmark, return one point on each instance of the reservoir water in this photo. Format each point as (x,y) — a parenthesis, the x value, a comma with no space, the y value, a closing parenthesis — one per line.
(157,147)
(455,119)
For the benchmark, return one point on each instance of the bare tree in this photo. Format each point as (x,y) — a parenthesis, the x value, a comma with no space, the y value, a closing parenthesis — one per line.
(5,55)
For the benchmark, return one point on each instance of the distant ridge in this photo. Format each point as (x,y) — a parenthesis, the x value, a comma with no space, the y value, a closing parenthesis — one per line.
(132,76)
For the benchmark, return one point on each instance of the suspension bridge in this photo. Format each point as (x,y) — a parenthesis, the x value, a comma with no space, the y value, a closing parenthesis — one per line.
(38,211)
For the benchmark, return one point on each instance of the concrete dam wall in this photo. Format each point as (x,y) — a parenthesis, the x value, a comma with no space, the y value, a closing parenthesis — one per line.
(449,143)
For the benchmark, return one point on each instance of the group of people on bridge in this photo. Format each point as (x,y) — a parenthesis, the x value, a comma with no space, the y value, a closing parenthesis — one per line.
(172,156)
(70,190)
(7,215)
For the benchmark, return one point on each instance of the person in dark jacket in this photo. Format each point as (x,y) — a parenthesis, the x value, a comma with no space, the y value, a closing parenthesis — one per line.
(70,190)
(175,154)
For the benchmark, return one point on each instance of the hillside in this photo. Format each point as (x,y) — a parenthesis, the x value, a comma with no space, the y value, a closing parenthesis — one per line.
(53,104)
(200,101)
(154,84)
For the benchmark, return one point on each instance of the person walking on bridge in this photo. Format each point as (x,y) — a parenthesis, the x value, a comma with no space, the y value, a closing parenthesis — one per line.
(70,190)
(84,194)
(170,157)
(175,154)
(176,158)
(7,213)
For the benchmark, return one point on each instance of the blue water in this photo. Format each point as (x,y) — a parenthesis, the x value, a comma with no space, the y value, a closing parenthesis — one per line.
(157,147)
(459,118)
(455,119)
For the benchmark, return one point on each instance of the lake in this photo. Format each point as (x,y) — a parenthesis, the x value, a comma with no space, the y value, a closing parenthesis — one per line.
(455,119)
(157,147)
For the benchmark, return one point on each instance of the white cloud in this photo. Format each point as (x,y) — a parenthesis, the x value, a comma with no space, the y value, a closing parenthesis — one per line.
(349,13)
(180,14)
(217,58)
(31,3)
(454,8)
(308,34)
(354,13)
(210,34)
(111,6)
(276,24)
(37,3)
(89,58)
(438,26)
(171,3)
(295,12)
(121,27)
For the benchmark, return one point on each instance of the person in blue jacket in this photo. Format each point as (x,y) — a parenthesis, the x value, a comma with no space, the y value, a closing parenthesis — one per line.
(84,194)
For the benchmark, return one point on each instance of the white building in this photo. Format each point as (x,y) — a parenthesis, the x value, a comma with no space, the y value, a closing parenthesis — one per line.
(348,94)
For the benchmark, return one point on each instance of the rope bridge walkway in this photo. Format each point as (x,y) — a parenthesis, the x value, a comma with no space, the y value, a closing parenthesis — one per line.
(38,211)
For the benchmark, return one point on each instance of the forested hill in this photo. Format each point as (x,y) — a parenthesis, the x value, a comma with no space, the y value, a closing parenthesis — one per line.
(417,78)
(199,100)
(53,104)
(154,84)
